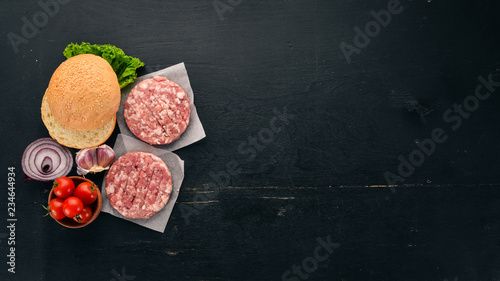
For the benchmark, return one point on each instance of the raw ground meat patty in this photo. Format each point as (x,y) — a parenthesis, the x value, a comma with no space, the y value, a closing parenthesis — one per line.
(138,185)
(157,111)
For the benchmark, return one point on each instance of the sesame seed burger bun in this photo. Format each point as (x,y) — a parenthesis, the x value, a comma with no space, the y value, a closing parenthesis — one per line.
(75,138)
(83,93)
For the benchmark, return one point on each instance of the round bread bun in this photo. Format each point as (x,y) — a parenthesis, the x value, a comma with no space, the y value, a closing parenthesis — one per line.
(75,138)
(83,93)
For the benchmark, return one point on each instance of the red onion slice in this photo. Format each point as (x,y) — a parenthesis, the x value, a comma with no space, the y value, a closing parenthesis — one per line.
(46,160)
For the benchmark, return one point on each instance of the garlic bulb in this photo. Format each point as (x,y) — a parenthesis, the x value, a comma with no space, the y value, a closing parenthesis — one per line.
(94,160)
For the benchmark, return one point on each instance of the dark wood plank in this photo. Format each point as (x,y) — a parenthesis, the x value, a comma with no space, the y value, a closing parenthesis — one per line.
(421,232)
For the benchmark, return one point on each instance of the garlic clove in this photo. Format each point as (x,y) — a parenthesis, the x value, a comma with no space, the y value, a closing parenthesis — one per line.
(94,160)
(105,156)
(84,159)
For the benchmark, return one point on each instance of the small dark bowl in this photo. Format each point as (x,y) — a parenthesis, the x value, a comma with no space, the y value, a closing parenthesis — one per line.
(96,206)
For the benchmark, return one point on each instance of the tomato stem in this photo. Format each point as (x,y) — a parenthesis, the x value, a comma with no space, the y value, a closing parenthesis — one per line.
(48,210)
(78,218)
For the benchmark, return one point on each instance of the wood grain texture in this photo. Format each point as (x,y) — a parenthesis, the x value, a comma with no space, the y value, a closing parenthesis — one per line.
(321,175)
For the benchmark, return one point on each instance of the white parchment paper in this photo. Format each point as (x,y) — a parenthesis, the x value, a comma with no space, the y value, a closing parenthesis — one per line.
(178,74)
(175,164)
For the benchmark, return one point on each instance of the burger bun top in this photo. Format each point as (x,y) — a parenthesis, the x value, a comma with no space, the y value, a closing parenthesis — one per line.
(83,93)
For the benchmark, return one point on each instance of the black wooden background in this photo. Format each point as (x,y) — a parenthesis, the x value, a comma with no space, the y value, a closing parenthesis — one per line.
(320,178)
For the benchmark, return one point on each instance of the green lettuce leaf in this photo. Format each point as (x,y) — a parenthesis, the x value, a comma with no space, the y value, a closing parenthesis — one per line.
(124,66)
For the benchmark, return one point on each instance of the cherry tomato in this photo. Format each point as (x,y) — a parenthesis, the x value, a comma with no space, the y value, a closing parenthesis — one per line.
(86,192)
(72,206)
(55,208)
(84,216)
(64,187)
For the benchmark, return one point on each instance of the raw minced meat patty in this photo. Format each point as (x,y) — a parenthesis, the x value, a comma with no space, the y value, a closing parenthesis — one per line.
(138,185)
(157,111)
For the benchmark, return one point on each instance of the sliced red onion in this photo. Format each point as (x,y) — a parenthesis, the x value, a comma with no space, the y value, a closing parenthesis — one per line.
(46,160)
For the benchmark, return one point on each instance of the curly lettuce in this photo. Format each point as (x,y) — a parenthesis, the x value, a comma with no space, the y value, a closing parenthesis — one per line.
(124,66)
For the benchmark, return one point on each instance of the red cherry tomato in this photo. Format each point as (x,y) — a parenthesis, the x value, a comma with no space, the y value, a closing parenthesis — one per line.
(86,192)
(72,206)
(55,208)
(84,216)
(64,187)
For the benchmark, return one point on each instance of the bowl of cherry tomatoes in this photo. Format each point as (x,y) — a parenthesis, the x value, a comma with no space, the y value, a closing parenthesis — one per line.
(74,201)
